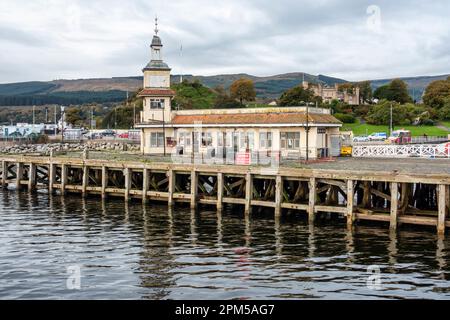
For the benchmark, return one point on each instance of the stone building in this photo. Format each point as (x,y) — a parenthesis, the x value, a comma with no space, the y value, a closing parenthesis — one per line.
(329,94)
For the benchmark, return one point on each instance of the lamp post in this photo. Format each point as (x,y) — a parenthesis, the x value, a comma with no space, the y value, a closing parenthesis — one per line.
(307,132)
(164,130)
(62,123)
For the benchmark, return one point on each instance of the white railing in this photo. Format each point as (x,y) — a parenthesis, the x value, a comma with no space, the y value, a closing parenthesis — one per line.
(402,151)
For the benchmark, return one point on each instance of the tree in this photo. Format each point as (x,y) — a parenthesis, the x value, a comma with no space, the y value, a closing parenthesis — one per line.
(243,90)
(298,96)
(346,87)
(223,99)
(436,93)
(365,91)
(397,91)
(193,95)
(73,116)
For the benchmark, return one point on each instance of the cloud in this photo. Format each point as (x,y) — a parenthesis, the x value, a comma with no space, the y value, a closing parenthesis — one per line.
(49,39)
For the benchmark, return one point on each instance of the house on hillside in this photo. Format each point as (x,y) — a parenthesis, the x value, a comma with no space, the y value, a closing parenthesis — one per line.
(218,132)
(329,94)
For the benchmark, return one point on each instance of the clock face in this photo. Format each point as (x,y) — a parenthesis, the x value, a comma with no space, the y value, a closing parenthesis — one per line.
(157,81)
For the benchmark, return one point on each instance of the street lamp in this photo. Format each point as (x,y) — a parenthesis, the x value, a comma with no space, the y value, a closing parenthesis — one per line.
(62,123)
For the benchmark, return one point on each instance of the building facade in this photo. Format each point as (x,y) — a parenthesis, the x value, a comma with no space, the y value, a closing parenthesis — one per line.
(329,94)
(293,132)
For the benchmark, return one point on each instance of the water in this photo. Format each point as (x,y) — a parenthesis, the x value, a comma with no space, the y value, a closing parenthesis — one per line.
(135,252)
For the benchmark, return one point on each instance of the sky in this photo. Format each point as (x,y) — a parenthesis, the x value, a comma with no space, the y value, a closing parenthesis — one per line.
(350,39)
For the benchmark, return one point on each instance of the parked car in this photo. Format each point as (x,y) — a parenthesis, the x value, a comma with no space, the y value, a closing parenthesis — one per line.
(93,135)
(378,136)
(360,139)
(109,133)
(124,135)
(400,137)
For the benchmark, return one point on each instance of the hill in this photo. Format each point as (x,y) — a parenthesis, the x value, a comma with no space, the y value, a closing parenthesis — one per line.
(102,90)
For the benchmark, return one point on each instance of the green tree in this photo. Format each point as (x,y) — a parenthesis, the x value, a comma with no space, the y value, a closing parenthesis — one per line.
(397,91)
(193,95)
(298,96)
(223,99)
(365,91)
(243,90)
(73,116)
(436,93)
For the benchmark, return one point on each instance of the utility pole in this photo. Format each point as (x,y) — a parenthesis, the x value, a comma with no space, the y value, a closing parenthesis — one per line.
(164,131)
(34,116)
(390,122)
(307,132)
(134,115)
(56,123)
(62,123)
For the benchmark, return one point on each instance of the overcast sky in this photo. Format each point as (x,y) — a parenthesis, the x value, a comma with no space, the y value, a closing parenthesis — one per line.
(351,39)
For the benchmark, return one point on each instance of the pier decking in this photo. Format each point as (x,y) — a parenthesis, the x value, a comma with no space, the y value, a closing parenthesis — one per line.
(393,197)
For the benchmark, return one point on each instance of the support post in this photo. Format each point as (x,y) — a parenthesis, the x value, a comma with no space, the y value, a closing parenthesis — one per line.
(278,192)
(4,173)
(394,206)
(350,197)
(194,189)
(442,208)
(144,185)
(51,177)
(171,176)
(127,174)
(220,191)
(248,193)
(19,175)
(312,199)
(85,180)
(63,178)
(32,177)
(104,181)
(366,194)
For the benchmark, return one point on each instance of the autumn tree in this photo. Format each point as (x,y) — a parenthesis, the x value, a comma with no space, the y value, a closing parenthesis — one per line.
(243,90)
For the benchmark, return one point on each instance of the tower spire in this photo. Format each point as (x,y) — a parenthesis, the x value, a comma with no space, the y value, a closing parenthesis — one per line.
(156,25)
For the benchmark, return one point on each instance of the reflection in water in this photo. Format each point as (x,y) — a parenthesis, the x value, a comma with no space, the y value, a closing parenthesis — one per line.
(130,250)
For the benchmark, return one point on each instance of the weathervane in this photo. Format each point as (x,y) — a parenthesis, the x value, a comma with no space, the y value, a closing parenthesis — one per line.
(156,25)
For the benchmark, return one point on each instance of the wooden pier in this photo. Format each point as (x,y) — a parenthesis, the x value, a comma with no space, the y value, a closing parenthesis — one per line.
(395,198)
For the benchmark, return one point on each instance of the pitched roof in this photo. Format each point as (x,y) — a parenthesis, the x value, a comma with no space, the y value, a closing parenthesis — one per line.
(256,118)
(156,93)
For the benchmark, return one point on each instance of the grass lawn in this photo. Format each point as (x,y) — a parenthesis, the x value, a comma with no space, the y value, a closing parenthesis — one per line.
(363,129)
(446,123)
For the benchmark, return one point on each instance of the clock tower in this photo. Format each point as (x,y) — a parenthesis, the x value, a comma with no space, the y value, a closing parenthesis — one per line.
(156,91)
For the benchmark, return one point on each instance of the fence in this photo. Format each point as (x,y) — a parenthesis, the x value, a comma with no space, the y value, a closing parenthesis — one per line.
(402,151)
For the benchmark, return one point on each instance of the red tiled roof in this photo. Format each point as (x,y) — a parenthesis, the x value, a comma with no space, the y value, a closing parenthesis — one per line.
(156,92)
(256,118)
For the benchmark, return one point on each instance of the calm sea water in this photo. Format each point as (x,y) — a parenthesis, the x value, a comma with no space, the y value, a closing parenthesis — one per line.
(127,251)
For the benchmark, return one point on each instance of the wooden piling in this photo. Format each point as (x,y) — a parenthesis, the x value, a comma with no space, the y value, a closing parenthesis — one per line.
(278,193)
(442,208)
(51,177)
(63,178)
(350,196)
(32,177)
(19,175)
(85,180)
(220,191)
(4,173)
(394,206)
(145,184)
(194,189)
(171,187)
(312,199)
(127,175)
(248,193)
(104,181)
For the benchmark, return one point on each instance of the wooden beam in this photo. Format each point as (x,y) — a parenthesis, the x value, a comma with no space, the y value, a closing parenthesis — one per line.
(394,206)
(278,192)
(220,188)
(442,208)
(104,181)
(19,175)
(248,193)
(51,177)
(312,199)
(350,196)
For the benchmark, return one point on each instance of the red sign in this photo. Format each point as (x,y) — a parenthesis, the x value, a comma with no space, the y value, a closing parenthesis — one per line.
(243,158)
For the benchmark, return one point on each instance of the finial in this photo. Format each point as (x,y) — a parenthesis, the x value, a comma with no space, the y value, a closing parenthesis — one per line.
(156,25)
